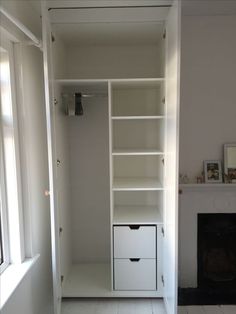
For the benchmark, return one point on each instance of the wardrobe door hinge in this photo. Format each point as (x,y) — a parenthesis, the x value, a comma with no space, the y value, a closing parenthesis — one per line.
(162,280)
(162,231)
(52,37)
(164,34)
(60,230)
(163,100)
(62,278)
(163,161)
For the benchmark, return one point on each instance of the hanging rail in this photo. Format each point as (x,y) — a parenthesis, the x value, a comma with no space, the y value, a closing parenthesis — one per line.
(36,42)
(110,7)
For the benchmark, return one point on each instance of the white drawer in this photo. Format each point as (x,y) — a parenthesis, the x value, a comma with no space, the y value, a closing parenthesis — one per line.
(134,241)
(135,275)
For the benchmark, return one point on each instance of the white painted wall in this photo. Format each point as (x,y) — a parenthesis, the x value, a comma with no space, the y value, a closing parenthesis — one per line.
(208,93)
(34,294)
(207,120)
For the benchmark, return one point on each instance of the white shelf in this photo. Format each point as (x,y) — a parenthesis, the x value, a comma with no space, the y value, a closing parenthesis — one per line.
(136,184)
(137,82)
(125,83)
(79,82)
(137,215)
(136,152)
(93,280)
(138,117)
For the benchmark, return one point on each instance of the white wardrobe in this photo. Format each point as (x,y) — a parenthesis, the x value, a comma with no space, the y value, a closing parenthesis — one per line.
(112,88)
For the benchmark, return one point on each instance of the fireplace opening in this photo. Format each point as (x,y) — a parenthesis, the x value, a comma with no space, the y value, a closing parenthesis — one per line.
(217,252)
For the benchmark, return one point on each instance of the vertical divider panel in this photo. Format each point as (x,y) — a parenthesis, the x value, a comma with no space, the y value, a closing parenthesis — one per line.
(111,174)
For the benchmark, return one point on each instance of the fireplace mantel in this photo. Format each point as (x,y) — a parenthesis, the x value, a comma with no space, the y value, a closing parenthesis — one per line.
(207,186)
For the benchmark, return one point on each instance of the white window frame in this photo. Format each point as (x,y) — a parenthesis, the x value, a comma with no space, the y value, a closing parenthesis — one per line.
(14,248)
(3,208)
(18,264)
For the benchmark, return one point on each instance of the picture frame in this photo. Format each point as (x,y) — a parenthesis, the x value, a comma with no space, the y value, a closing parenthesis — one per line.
(213,171)
(230,162)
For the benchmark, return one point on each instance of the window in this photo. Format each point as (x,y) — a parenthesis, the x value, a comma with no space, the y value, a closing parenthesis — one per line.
(16,250)
(11,233)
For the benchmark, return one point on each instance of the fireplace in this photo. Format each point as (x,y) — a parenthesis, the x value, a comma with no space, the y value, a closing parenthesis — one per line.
(216,261)
(217,252)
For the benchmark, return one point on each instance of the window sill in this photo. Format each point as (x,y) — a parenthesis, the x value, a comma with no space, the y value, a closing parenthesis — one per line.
(12,277)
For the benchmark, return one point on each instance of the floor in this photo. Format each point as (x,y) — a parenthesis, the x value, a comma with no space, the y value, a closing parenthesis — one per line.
(136,306)
(93,280)
(113,306)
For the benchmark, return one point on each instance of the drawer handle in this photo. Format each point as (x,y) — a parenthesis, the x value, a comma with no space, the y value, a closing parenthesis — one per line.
(134,259)
(134,227)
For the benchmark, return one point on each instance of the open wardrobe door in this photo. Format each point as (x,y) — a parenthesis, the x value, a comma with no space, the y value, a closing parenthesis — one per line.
(170,245)
(52,193)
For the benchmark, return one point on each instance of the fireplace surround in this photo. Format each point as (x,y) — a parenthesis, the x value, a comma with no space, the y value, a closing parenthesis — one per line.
(207,244)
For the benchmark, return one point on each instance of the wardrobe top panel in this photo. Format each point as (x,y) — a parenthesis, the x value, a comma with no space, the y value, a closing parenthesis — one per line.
(104,23)
(128,12)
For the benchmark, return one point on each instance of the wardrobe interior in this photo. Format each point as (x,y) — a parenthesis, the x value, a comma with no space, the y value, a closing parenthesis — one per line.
(110,156)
